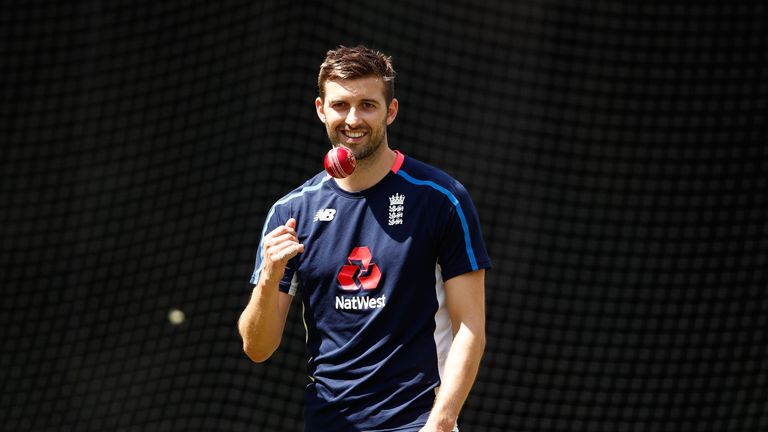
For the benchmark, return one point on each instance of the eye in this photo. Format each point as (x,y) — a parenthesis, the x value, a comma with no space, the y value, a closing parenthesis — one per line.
(369,105)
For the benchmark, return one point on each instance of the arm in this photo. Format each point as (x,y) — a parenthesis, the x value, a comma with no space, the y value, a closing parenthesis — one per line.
(465,299)
(261,323)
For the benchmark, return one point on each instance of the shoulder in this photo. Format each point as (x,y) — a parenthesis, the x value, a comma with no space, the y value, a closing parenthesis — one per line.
(303,195)
(423,174)
(307,190)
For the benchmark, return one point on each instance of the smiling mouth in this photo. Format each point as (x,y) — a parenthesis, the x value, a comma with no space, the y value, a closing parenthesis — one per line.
(353,134)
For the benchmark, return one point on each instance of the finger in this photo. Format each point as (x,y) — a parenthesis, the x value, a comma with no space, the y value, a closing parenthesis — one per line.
(291,223)
(277,241)
(290,251)
(282,229)
(287,253)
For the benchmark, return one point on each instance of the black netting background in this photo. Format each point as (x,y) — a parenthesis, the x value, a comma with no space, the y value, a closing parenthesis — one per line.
(616,152)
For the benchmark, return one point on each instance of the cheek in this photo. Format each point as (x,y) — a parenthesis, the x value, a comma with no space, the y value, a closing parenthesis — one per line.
(374,120)
(331,120)
(334,116)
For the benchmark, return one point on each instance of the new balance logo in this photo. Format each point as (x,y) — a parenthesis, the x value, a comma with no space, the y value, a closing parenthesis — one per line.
(325,215)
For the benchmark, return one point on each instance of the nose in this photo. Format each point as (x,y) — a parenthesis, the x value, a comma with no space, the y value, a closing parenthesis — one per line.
(353,119)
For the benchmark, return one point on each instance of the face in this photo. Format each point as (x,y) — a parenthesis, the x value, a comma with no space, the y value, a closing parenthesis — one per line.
(356,115)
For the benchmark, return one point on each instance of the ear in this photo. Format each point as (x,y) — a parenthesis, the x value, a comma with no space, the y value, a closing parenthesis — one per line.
(392,111)
(320,109)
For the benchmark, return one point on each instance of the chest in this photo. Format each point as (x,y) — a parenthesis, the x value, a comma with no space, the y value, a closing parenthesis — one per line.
(363,244)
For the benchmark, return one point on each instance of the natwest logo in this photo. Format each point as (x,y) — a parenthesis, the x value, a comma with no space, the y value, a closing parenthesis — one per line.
(360,272)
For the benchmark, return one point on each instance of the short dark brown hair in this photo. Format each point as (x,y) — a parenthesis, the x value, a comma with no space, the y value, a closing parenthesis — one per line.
(345,63)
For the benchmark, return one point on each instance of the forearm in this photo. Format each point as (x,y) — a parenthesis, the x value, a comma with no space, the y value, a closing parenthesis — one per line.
(459,375)
(260,324)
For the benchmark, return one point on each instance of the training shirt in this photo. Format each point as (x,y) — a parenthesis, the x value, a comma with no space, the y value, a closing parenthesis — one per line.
(371,285)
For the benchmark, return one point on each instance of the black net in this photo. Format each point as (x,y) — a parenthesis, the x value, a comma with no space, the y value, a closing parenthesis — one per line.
(616,152)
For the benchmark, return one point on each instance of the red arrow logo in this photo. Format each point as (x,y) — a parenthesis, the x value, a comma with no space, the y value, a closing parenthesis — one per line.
(360,272)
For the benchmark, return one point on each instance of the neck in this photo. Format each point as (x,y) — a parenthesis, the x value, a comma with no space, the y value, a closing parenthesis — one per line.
(369,171)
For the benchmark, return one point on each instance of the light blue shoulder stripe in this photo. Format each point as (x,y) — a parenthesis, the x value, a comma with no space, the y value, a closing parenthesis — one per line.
(455,202)
(300,192)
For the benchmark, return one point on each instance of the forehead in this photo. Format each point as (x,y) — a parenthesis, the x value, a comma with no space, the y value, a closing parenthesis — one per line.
(358,88)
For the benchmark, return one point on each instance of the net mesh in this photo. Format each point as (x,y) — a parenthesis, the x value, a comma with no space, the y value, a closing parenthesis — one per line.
(616,152)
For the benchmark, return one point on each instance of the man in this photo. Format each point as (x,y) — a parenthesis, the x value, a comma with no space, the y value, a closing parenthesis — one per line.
(390,265)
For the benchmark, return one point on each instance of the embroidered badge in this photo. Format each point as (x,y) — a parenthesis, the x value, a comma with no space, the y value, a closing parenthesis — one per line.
(396,207)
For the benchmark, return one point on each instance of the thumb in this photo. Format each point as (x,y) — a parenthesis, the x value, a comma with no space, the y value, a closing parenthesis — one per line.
(291,223)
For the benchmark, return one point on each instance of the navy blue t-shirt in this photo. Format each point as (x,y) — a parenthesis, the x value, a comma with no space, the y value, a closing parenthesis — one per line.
(371,284)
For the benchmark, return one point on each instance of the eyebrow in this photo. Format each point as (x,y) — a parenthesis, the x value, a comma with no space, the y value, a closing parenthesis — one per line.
(373,101)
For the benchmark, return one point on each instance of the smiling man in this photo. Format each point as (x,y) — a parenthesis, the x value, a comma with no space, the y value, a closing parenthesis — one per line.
(389,264)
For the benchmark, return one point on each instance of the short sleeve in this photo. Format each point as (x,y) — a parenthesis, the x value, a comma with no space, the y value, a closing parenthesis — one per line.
(461,245)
